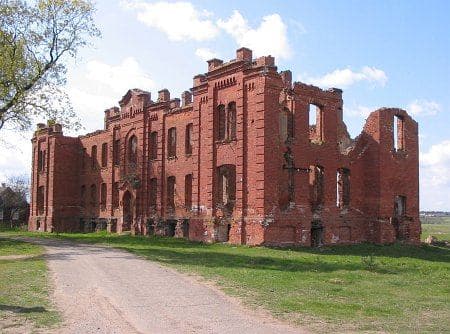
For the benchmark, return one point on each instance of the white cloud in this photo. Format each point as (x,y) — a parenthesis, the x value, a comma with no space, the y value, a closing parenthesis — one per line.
(270,38)
(435,177)
(205,54)
(421,107)
(344,78)
(358,111)
(15,153)
(178,20)
(128,74)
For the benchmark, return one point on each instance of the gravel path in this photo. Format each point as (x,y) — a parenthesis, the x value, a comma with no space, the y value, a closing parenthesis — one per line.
(105,290)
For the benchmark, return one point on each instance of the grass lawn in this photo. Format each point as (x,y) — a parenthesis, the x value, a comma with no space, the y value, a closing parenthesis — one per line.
(396,288)
(436,226)
(24,300)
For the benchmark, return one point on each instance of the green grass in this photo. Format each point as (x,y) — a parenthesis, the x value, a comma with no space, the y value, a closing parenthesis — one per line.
(396,288)
(24,290)
(438,227)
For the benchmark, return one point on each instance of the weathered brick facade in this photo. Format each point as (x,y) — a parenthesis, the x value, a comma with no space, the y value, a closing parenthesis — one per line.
(238,159)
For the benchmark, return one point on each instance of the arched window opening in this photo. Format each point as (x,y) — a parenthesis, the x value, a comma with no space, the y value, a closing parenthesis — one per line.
(317,186)
(171,189)
(343,188)
(188,192)
(231,121)
(222,119)
(93,195)
(172,143)
(40,200)
(104,154)
(398,133)
(116,152)
(315,123)
(287,125)
(226,187)
(188,139)
(94,161)
(41,160)
(103,192)
(153,145)
(132,150)
(115,195)
(153,193)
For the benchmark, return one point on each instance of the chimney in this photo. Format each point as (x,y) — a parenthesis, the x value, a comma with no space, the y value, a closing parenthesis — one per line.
(213,63)
(186,98)
(286,76)
(57,128)
(163,95)
(244,54)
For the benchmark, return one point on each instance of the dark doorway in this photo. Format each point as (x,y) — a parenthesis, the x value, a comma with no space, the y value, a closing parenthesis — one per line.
(170,228)
(222,232)
(150,227)
(185,228)
(127,211)
(316,234)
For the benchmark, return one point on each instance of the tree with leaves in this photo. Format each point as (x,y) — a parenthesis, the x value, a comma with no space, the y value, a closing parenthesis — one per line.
(36,38)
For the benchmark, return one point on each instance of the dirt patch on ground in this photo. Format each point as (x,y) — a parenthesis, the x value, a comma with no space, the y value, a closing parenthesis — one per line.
(106,290)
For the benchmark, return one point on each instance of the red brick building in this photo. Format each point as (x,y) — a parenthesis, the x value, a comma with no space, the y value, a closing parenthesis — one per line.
(247,156)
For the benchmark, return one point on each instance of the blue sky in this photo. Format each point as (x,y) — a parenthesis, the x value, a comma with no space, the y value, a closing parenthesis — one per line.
(382,53)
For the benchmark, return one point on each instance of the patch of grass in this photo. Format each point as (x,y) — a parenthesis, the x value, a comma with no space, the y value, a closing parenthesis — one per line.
(436,226)
(395,288)
(24,290)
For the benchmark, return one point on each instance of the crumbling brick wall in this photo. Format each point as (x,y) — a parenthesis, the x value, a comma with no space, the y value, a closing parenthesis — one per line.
(246,156)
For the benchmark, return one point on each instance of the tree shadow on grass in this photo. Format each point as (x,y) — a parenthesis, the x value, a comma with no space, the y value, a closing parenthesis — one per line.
(21,309)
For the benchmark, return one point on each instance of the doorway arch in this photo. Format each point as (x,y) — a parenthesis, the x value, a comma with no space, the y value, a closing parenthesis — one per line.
(127,201)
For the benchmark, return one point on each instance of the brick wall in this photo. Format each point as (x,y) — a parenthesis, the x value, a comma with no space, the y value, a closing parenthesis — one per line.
(261,171)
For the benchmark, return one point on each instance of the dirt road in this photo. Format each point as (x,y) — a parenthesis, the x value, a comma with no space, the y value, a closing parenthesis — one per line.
(105,290)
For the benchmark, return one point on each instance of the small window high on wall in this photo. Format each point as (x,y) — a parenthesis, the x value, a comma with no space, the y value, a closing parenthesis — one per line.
(398,133)
(172,143)
(188,139)
(104,154)
(222,122)
(231,121)
(116,152)
(94,161)
(343,188)
(226,122)
(315,123)
(132,150)
(153,145)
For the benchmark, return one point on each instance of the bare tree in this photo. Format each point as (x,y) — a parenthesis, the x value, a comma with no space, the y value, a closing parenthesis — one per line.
(14,198)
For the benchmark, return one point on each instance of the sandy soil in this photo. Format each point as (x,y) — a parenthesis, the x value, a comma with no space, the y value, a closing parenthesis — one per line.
(105,290)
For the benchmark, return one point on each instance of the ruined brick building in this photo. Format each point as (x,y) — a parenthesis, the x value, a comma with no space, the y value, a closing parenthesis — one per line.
(247,156)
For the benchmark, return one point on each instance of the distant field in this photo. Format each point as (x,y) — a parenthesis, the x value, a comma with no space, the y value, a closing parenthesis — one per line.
(436,226)
(361,288)
(24,290)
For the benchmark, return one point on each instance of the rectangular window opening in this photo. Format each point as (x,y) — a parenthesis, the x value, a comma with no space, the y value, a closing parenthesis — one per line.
(398,133)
